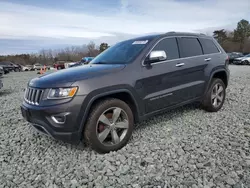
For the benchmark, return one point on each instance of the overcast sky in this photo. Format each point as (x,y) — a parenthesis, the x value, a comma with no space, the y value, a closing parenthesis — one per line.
(30,25)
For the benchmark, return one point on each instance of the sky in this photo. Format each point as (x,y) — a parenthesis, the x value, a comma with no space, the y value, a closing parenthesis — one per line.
(32,25)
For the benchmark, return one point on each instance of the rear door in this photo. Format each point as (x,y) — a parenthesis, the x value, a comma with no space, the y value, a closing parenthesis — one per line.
(212,56)
(195,63)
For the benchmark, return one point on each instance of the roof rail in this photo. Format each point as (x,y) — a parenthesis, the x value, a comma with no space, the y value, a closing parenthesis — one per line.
(203,34)
(170,32)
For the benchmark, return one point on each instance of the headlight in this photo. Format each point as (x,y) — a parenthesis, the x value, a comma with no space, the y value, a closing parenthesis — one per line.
(62,93)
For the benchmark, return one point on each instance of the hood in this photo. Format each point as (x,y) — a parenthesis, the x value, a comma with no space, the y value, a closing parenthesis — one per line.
(66,77)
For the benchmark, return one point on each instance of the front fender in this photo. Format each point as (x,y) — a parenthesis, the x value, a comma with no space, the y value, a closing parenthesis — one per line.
(105,92)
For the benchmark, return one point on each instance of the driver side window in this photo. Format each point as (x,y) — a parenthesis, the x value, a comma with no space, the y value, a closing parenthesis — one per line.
(169,45)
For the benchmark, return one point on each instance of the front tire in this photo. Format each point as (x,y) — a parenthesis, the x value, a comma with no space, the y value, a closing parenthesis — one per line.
(109,126)
(245,62)
(215,96)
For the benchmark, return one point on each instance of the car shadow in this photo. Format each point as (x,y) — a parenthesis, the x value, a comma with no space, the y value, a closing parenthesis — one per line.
(50,143)
(81,146)
(169,114)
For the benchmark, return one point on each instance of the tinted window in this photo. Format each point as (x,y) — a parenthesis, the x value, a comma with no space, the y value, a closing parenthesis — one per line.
(208,46)
(190,47)
(169,45)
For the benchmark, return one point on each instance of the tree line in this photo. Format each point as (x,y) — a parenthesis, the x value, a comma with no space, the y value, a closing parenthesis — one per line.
(237,40)
(49,57)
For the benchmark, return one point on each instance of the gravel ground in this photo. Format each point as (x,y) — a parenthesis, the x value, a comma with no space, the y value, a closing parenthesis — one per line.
(186,147)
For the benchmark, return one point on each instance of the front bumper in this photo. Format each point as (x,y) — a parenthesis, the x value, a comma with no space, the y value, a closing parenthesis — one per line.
(5,70)
(62,122)
(237,62)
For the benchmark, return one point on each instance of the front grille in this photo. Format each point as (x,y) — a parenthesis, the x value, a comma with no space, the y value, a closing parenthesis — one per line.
(33,96)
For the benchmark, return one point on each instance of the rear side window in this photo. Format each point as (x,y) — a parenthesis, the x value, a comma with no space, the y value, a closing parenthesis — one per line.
(208,46)
(190,46)
(169,45)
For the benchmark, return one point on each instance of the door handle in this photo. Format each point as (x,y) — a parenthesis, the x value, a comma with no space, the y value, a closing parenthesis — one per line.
(207,59)
(180,64)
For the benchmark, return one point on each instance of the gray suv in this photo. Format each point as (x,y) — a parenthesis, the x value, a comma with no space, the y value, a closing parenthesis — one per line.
(127,83)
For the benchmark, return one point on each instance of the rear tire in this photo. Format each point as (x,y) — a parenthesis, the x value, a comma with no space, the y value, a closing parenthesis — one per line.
(102,121)
(215,96)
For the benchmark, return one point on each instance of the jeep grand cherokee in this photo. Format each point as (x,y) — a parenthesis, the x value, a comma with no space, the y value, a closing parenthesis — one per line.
(127,83)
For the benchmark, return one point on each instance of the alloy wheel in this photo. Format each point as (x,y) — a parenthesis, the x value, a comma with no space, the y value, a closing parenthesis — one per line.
(112,126)
(217,95)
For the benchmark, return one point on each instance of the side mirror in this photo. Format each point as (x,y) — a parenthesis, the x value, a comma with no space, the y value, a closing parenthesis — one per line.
(155,56)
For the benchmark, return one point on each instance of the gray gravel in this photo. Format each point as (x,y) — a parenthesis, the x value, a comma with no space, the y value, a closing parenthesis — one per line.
(183,148)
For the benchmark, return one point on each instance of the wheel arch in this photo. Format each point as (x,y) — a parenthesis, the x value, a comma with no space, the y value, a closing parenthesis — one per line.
(219,73)
(222,74)
(123,94)
(247,61)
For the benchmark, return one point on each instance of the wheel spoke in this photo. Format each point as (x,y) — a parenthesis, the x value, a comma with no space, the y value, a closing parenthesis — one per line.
(215,101)
(103,135)
(104,120)
(116,114)
(213,96)
(115,137)
(220,90)
(122,125)
(220,98)
(216,89)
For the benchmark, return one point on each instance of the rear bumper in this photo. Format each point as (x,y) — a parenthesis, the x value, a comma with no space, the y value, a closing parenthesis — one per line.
(61,122)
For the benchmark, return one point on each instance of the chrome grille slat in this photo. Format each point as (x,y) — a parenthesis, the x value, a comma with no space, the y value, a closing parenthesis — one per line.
(30,91)
(37,96)
(33,96)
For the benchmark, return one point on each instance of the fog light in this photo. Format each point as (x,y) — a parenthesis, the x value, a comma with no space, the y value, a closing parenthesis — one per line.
(59,118)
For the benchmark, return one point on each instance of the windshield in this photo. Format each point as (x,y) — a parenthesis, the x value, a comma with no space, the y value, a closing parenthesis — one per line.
(248,55)
(121,53)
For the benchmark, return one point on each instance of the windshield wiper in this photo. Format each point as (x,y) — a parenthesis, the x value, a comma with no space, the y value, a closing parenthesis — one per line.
(106,62)
(101,62)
